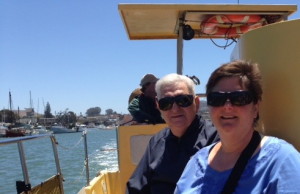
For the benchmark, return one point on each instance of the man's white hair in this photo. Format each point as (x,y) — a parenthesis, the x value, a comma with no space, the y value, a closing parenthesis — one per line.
(171,79)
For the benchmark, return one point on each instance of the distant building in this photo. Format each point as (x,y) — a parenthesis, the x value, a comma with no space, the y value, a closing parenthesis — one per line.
(28,112)
(26,116)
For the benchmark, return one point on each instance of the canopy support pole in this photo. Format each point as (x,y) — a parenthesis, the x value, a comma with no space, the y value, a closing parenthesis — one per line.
(180,48)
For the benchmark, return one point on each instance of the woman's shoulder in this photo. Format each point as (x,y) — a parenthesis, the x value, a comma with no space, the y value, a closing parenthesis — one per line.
(279,145)
(280,156)
(275,148)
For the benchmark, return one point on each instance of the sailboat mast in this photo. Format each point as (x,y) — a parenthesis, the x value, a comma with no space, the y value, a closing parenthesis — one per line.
(30,100)
(10,102)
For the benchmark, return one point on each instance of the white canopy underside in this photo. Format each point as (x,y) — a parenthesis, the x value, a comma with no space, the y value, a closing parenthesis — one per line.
(161,21)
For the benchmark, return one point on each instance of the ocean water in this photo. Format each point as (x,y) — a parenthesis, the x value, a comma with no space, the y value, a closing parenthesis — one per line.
(41,165)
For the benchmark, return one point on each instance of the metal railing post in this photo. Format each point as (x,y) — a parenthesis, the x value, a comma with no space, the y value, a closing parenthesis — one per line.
(55,152)
(24,167)
(87,169)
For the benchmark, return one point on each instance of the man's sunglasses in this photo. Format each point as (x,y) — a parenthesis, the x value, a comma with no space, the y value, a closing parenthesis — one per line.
(237,98)
(166,103)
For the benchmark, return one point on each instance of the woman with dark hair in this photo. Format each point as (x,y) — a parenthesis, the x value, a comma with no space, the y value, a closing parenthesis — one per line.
(243,161)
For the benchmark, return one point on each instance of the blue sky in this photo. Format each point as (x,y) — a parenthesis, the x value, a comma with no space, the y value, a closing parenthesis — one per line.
(76,55)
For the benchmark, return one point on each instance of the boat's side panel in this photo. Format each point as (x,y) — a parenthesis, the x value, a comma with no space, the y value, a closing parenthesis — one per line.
(132,142)
(52,185)
(277,49)
(106,183)
(129,138)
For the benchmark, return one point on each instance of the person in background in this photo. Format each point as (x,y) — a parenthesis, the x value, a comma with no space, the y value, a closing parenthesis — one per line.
(243,161)
(170,149)
(135,93)
(143,107)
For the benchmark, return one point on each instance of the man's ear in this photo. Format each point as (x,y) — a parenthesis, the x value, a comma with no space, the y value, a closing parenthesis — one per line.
(156,102)
(197,102)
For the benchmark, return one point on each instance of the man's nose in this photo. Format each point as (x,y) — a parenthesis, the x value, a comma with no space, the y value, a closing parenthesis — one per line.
(175,107)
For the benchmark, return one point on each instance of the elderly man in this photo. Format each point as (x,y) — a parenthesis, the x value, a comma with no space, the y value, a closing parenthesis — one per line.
(143,108)
(170,149)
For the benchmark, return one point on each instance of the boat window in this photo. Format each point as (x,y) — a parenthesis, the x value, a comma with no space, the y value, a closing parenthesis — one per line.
(138,145)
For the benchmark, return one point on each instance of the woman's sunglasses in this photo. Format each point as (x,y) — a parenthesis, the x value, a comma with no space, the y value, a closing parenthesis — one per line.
(237,98)
(166,103)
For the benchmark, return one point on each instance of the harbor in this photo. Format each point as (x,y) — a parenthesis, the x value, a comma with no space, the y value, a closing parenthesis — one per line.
(67,122)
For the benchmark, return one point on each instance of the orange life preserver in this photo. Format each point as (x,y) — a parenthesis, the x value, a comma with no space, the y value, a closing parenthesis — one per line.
(231,26)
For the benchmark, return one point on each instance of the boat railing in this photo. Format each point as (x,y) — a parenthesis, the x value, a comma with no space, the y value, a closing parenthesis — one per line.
(132,141)
(24,186)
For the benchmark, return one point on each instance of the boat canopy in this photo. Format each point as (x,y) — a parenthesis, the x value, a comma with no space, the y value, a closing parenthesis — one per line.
(162,21)
(188,21)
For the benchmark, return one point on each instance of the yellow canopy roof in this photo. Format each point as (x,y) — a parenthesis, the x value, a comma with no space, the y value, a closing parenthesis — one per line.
(161,21)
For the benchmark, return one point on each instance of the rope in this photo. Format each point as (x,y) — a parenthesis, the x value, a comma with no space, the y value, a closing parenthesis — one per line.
(70,148)
(233,40)
(226,45)
(80,177)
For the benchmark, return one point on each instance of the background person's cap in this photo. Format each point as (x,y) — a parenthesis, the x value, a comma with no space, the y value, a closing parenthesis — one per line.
(148,78)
